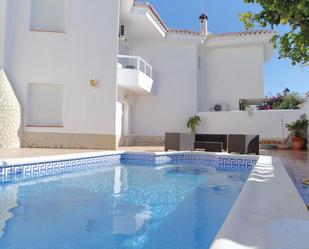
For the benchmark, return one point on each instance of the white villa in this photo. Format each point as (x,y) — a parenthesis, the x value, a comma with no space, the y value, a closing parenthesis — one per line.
(103,73)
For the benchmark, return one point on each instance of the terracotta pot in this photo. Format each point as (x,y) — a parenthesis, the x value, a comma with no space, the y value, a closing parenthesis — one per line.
(298,143)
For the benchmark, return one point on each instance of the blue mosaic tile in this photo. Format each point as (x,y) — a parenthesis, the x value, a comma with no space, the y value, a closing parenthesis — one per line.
(193,158)
(152,159)
(162,160)
(138,159)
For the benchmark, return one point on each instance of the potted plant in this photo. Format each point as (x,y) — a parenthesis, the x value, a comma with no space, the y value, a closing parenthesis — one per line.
(297,127)
(193,123)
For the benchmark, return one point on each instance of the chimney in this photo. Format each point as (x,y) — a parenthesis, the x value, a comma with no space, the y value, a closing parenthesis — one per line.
(204,24)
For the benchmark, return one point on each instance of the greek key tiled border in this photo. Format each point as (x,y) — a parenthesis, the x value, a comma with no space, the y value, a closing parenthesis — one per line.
(230,163)
(152,159)
(43,169)
(193,158)
(146,159)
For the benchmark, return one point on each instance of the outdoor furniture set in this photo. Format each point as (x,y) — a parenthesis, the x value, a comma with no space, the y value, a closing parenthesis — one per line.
(232,143)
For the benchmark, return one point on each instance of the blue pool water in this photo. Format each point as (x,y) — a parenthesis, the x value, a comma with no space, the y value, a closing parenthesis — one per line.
(168,207)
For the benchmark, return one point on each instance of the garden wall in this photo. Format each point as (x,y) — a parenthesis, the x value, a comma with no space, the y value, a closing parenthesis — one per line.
(268,124)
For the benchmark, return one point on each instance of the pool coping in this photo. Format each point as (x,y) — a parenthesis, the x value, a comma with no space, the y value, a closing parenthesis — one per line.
(52,158)
(268,213)
(272,213)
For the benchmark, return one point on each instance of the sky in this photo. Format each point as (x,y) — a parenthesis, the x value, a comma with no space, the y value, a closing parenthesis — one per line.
(223,16)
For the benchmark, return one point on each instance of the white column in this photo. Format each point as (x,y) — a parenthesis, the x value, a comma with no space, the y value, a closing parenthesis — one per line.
(3,8)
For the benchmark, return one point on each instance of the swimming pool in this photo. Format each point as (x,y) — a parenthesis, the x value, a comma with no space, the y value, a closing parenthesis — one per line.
(171,201)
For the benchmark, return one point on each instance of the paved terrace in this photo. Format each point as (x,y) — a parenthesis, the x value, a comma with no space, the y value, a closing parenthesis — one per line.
(297,165)
(295,162)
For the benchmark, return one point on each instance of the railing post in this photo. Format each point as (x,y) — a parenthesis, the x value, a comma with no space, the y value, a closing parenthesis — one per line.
(139,67)
(145,68)
(138,63)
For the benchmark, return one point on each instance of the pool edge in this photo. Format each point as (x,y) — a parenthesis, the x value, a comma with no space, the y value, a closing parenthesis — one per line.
(267,199)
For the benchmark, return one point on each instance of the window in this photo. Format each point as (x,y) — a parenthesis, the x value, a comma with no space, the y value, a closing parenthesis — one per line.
(48,15)
(45,105)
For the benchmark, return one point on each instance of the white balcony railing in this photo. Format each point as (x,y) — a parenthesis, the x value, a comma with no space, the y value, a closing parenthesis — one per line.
(135,74)
(137,63)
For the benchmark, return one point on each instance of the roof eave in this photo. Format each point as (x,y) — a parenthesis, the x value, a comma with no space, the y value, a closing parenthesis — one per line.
(259,38)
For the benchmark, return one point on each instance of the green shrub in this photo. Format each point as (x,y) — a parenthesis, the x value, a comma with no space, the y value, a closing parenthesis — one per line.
(297,126)
(290,101)
(193,123)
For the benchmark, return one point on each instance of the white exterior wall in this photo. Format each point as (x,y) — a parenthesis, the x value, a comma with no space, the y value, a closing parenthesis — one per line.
(229,74)
(119,121)
(87,50)
(2,30)
(267,124)
(174,98)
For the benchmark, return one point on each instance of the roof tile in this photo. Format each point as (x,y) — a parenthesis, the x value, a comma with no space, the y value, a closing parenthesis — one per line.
(155,14)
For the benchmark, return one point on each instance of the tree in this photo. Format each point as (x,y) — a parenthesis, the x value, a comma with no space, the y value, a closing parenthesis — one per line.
(293,44)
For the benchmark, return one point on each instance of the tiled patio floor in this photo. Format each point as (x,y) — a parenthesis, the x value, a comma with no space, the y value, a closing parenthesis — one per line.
(296,162)
(25,152)
(297,165)
(35,152)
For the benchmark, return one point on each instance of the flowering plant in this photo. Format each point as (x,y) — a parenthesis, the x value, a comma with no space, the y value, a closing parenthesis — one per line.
(271,103)
(282,102)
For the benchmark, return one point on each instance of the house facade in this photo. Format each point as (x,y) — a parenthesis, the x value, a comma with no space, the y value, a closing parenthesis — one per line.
(98,74)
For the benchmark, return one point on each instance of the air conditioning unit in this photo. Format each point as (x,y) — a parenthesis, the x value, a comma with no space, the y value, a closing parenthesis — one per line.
(221,107)
(122,34)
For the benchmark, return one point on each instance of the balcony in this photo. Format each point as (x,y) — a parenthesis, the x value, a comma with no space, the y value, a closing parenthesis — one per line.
(134,74)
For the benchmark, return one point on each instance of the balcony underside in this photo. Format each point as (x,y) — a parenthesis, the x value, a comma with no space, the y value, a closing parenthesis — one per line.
(134,80)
